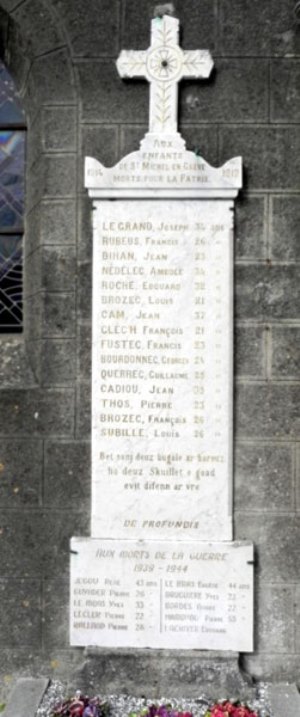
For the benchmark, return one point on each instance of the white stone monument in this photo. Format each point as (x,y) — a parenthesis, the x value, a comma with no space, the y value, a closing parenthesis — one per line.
(159,563)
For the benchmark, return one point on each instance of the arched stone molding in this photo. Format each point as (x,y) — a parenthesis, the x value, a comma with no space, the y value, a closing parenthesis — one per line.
(34,47)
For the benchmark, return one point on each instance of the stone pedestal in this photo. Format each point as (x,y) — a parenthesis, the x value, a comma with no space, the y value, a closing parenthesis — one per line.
(159,673)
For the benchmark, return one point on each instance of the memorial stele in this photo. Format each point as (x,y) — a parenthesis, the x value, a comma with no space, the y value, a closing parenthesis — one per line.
(160,568)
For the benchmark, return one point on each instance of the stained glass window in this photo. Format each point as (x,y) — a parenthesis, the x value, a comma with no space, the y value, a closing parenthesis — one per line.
(12,149)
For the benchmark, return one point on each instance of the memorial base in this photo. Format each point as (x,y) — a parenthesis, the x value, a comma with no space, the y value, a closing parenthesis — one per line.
(163,673)
(138,593)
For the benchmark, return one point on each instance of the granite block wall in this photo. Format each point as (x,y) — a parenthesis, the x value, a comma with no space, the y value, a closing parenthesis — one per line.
(61,54)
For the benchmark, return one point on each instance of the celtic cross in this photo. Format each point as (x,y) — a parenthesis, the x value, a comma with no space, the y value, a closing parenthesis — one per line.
(164,64)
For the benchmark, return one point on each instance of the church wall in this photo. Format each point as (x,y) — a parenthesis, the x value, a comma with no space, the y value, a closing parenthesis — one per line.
(61,55)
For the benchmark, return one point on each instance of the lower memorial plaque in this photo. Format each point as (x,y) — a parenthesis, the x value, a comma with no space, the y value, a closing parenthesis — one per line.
(154,593)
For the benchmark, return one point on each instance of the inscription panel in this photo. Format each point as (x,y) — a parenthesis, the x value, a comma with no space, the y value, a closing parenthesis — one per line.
(162,369)
(150,594)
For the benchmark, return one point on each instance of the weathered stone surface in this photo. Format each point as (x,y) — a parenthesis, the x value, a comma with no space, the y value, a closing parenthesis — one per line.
(84,351)
(58,362)
(37,543)
(9,5)
(198,23)
(32,317)
(285,221)
(130,138)
(59,128)
(20,612)
(57,222)
(297,616)
(34,146)
(238,37)
(275,619)
(284,31)
(15,55)
(267,292)
(84,290)
(59,175)
(162,672)
(26,697)
(249,351)
(52,176)
(85,241)
(60,85)
(15,369)
(263,477)
(56,664)
(67,474)
(58,268)
(58,317)
(56,624)
(250,227)
(105,98)
(285,100)
(51,315)
(268,411)
(272,667)
(100,142)
(36,412)
(214,100)
(34,357)
(21,468)
(31,101)
(276,538)
(32,236)
(4,20)
(83,410)
(93,33)
(284,700)
(33,279)
(286,352)
(268,154)
(203,140)
(39,30)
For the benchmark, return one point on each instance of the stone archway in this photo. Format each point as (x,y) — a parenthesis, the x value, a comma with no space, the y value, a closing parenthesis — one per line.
(35,49)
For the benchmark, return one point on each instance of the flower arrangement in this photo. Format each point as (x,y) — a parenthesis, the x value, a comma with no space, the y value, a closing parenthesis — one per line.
(230,709)
(81,706)
(160,711)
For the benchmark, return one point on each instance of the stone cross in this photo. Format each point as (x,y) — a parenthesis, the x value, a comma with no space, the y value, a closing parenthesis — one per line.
(164,64)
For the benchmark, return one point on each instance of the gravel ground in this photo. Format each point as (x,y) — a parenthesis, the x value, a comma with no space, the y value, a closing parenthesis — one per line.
(122,705)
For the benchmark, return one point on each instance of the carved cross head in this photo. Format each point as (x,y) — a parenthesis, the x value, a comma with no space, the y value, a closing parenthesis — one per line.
(164,64)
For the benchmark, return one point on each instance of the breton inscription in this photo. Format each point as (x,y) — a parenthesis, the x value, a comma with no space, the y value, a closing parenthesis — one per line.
(152,594)
(162,368)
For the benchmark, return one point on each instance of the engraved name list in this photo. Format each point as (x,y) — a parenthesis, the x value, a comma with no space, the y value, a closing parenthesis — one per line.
(161,432)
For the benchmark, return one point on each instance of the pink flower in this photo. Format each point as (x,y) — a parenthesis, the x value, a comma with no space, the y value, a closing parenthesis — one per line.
(241,712)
